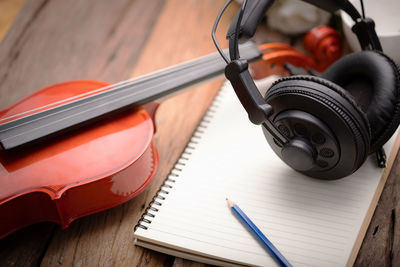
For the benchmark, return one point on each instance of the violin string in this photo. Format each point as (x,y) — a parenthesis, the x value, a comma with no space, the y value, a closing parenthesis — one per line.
(69,99)
(168,70)
(115,87)
(86,110)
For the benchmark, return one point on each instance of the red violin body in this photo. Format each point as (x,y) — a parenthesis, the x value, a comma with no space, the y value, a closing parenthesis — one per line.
(85,171)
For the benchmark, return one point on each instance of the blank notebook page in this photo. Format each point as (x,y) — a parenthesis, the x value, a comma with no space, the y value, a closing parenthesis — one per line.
(312,222)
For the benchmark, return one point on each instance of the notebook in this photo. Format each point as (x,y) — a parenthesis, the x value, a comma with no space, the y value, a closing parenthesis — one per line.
(311,222)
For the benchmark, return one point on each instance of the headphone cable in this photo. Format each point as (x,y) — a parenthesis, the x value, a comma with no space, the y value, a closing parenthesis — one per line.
(362,8)
(235,54)
(214,29)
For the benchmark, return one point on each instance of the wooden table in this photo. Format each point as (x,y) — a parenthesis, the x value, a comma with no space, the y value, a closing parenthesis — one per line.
(56,40)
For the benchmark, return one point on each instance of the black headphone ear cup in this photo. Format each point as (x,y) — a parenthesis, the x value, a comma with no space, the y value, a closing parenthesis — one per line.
(374,81)
(333,106)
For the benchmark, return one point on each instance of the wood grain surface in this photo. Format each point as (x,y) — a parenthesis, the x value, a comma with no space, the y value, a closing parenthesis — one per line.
(57,40)
(9,9)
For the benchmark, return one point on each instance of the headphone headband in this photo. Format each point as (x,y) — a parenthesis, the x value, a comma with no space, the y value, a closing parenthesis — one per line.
(252,13)
(245,24)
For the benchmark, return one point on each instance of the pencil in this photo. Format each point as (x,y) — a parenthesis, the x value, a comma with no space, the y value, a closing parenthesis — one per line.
(257,233)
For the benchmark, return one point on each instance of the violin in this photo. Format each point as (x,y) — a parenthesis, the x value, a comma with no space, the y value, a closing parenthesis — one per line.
(80,147)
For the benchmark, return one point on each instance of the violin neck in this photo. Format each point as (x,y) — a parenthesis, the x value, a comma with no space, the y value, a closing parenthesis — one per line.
(121,96)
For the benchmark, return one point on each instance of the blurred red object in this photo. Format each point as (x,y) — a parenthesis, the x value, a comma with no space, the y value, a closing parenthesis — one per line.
(322,43)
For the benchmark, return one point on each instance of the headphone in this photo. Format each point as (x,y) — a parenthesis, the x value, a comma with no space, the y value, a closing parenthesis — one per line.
(322,126)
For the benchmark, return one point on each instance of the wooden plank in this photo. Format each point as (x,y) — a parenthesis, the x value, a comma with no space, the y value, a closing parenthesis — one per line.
(53,41)
(26,247)
(173,40)
(382,241)
(9,9)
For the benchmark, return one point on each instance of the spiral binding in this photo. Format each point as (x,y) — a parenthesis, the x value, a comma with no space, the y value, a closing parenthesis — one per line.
(163,191)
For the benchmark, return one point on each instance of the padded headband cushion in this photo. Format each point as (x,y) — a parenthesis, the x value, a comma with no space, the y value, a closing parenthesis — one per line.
(377,92)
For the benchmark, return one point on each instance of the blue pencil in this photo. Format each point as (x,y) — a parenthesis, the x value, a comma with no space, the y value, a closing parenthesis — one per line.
(257,233)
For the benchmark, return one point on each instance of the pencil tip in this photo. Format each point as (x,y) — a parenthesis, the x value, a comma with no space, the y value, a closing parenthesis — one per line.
(230,203)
